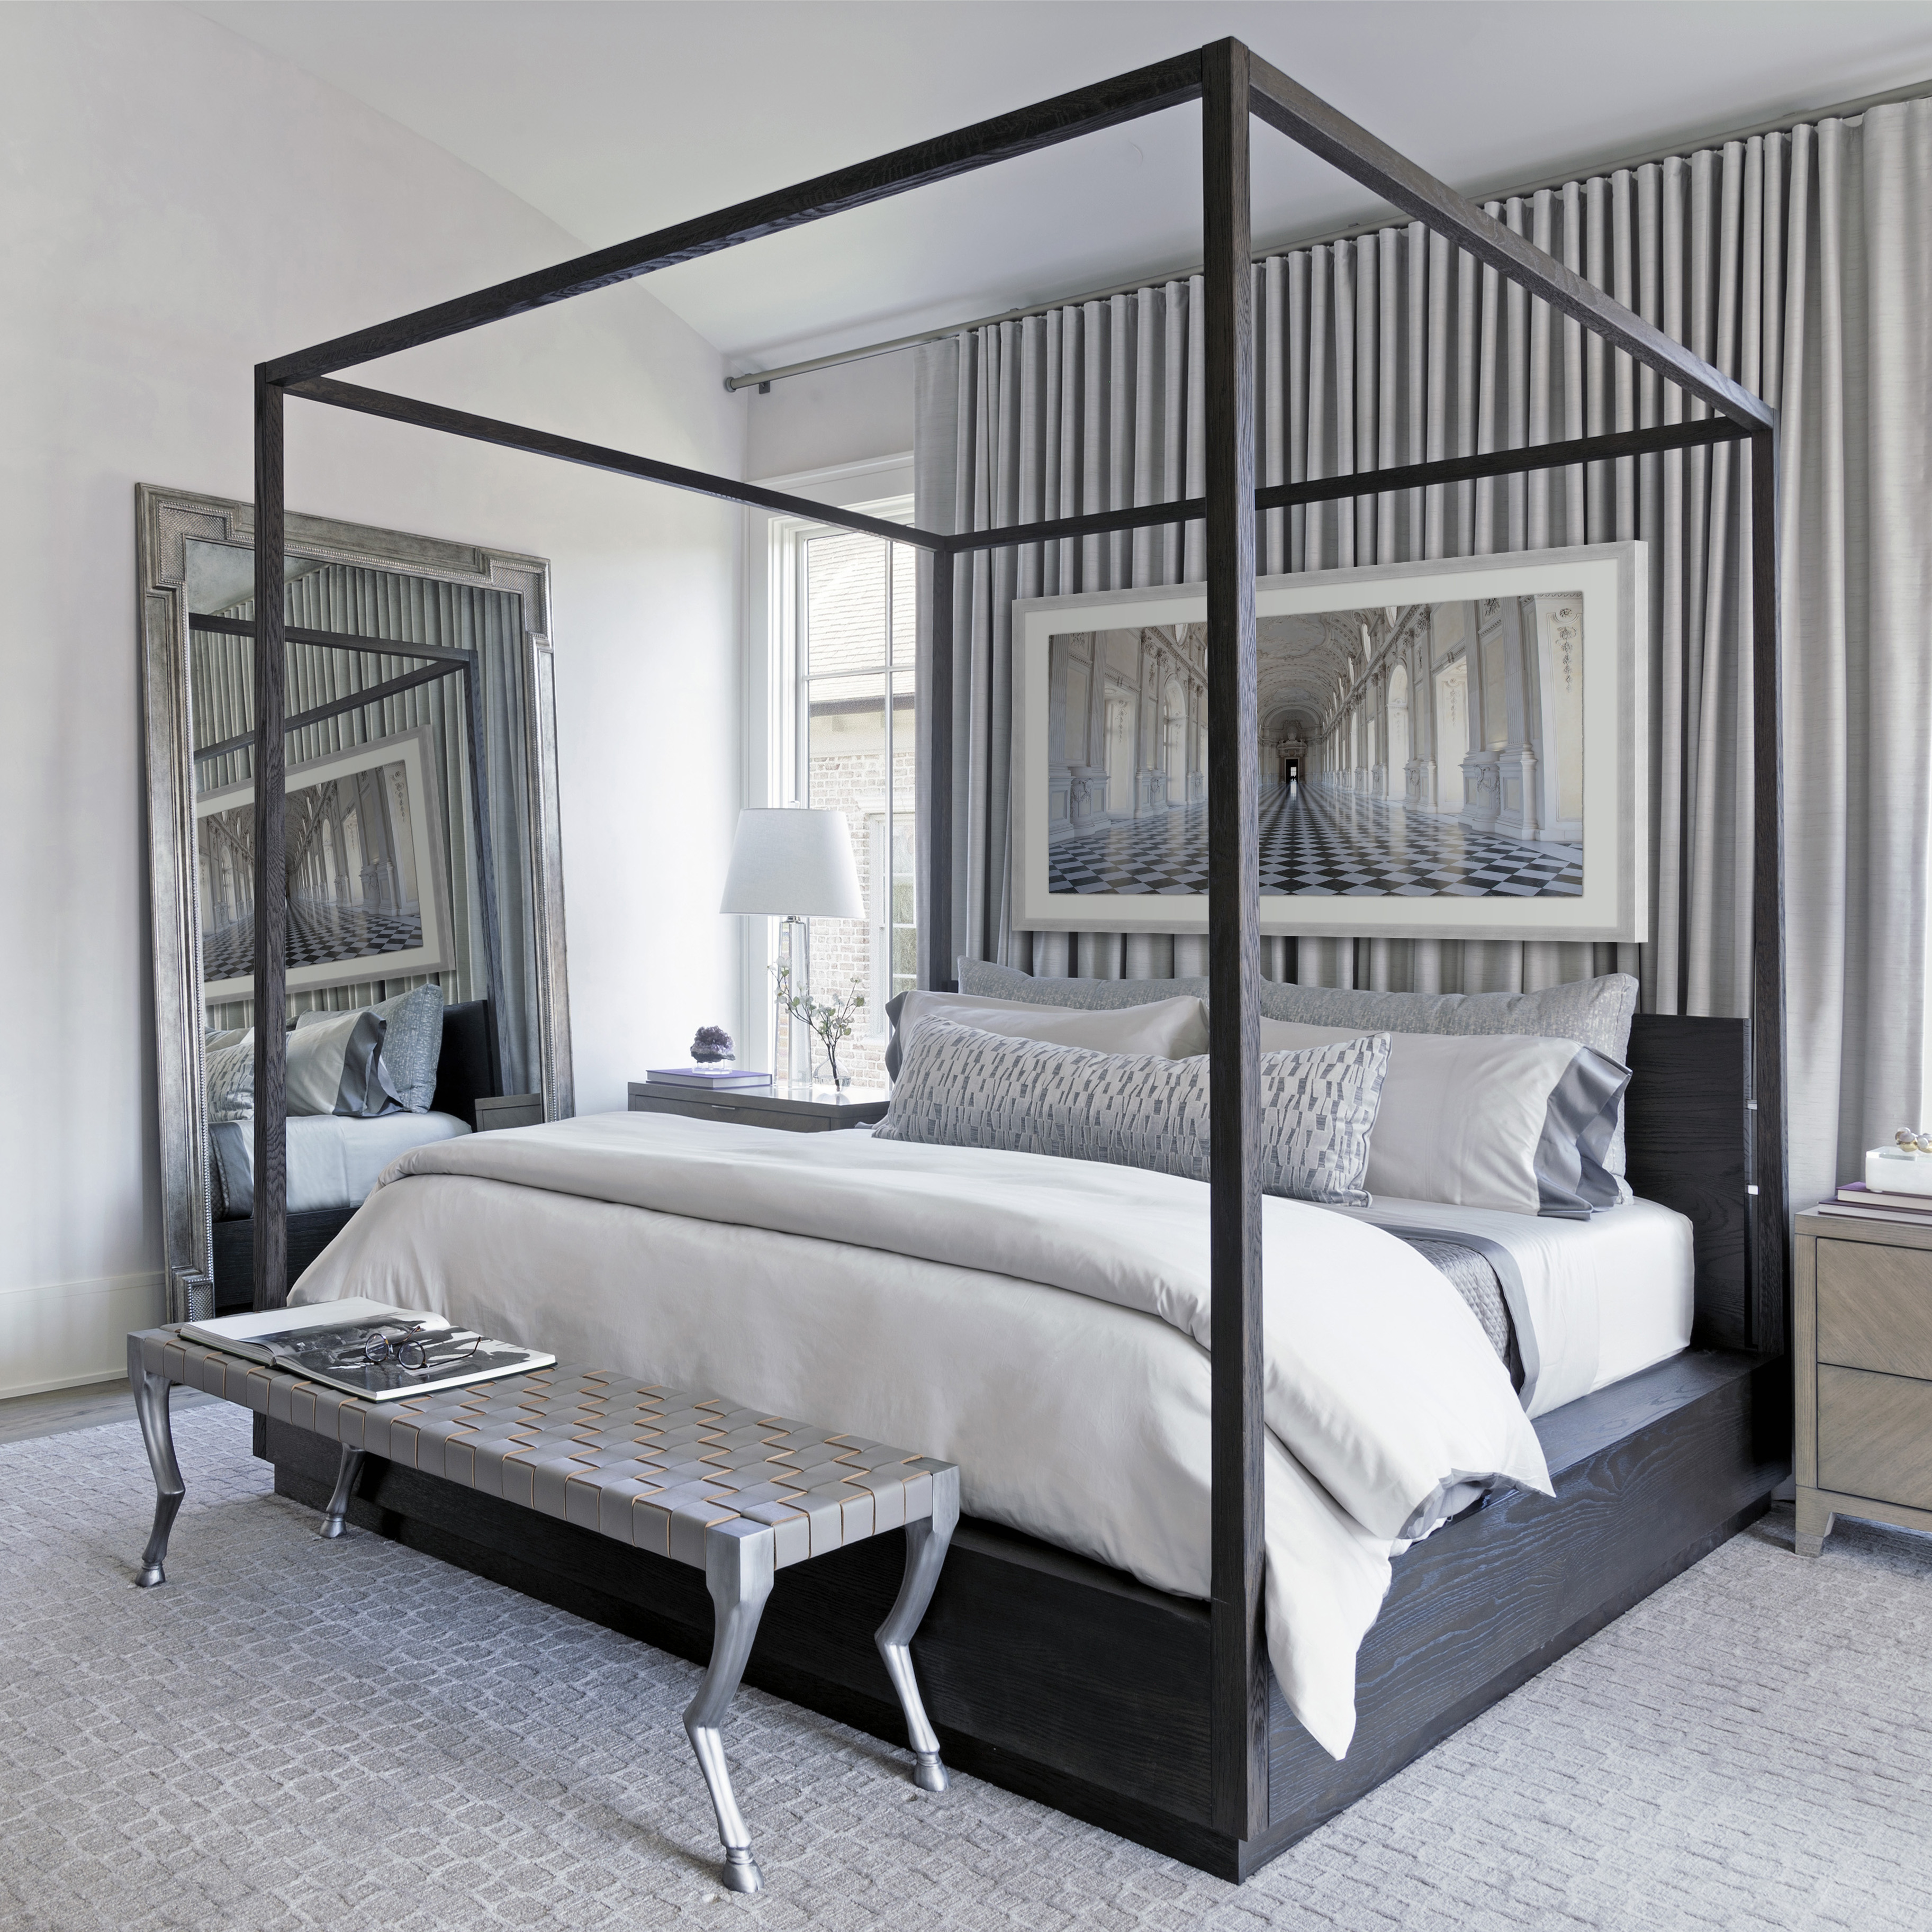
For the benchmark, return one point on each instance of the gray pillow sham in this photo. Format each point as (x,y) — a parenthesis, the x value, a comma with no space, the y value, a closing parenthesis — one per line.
(335,1066)
(412,1043)
(961,1087)
(1008,983)
(1595,1013)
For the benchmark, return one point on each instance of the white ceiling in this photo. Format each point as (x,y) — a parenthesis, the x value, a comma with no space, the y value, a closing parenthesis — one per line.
(617,117)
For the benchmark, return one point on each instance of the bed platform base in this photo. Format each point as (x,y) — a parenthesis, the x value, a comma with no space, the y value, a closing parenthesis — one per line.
(1070,1683)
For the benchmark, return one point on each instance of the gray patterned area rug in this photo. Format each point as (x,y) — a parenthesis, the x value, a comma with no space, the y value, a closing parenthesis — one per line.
(293,1734)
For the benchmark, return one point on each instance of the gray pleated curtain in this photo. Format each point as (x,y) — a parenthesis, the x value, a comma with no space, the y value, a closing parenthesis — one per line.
(409,610)
(1796,262)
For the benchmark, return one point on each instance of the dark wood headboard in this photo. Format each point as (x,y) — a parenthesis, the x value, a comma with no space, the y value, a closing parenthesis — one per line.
(463,1074)
(1688,1128)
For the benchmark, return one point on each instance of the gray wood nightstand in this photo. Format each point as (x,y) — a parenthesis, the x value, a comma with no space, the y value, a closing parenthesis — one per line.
(508,1110)
(795,1106)
(1862,1350)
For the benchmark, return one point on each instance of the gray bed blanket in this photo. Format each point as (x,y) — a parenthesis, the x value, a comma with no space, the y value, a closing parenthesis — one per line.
(1473,1276)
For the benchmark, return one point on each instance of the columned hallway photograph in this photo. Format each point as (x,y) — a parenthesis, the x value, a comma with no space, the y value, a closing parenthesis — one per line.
(1318,843)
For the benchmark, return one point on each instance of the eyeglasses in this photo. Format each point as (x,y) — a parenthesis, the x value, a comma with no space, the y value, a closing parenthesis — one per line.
(419,1349)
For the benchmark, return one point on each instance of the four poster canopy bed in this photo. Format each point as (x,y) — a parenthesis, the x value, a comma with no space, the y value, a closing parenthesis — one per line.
(1197,1701)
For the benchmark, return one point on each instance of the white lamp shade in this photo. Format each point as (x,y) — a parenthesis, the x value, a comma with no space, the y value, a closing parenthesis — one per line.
(792,864)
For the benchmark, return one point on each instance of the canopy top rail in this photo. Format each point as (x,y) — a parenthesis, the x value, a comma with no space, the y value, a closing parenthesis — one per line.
(334,640)
(1273,97)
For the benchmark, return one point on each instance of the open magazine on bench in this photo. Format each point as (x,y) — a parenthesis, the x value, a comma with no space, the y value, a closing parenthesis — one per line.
(367,1348)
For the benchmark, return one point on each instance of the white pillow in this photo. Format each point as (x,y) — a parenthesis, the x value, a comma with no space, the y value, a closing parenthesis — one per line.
(1504,1120)
(1168,1029)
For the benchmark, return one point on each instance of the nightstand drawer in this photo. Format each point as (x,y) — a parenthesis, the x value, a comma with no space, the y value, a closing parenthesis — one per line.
(1875,1436)
(1875,1307)
(707,1109)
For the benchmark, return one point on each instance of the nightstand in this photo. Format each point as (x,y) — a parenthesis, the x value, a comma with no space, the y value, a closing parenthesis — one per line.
(1862,1301)
(495,1110)
(795,1106)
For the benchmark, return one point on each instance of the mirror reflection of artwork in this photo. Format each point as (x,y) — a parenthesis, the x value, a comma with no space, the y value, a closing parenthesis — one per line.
(363,870)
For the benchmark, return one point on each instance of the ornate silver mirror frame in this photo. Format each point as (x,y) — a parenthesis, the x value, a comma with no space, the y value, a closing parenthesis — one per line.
(166,522)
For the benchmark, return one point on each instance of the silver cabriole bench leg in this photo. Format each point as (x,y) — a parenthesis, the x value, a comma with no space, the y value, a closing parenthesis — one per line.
(334,1519)
(151,1405)
(927,1541)
(738,1566)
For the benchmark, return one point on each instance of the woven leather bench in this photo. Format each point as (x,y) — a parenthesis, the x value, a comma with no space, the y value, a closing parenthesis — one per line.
(730,1490)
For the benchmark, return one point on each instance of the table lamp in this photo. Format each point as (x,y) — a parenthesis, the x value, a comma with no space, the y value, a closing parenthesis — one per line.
(792,863)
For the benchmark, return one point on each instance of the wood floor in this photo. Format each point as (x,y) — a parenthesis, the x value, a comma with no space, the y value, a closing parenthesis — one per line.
(24,1417)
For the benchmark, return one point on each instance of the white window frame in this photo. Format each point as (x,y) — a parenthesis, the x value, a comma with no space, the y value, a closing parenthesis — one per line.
(774,563)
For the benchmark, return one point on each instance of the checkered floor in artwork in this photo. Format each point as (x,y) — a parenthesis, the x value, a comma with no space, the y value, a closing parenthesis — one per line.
(1322,844)
(318,935)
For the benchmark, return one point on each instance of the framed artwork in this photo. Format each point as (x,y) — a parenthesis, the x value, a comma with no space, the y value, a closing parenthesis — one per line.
(367,895)
(1455,749)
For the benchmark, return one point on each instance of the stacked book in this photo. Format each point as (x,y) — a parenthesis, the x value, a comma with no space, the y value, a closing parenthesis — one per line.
(1857,1202)
(715,1078)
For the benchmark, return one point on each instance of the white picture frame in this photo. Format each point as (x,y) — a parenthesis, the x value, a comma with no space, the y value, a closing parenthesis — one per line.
(1601,709)
(414,892)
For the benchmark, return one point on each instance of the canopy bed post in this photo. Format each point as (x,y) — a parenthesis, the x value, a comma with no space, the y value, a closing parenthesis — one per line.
(933,796)
(271,875)
(1771,1271)
(1239,1666)
(486,869)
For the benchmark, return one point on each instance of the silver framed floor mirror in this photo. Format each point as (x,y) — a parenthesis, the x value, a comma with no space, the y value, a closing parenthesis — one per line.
(420,777)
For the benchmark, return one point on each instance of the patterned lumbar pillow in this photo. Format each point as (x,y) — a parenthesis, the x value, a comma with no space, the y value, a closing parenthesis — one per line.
(230,1069)
(961,1087)
(412,1043)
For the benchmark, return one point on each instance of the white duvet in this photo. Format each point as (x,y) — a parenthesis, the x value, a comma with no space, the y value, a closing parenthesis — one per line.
(1043,1323)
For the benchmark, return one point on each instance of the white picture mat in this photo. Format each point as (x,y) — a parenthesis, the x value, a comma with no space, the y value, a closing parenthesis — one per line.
(412,750)
(1614,903)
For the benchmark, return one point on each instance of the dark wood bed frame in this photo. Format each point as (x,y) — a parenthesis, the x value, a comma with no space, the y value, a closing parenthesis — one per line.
(1072,1683)
(1153,1715)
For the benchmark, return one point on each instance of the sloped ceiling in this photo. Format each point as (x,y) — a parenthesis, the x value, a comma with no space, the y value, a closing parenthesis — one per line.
(616,118)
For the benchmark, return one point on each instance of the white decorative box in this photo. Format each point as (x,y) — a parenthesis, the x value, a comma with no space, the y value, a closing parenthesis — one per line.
(1892,1171)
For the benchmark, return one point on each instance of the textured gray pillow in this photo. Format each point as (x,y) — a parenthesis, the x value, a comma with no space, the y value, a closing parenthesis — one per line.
(1593,1012)
(961,1087)
(986,981)
(412,1046)
(230,1069)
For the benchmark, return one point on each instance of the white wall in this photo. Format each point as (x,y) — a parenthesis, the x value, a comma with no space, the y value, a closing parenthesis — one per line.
(174,205)
(849,414)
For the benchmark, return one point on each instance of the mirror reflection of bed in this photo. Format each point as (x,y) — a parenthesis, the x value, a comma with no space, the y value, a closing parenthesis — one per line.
(413,844)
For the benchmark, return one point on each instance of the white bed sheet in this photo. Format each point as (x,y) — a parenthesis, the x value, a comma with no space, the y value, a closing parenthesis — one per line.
(1042,1322)
(1599,1299)
(335,1161)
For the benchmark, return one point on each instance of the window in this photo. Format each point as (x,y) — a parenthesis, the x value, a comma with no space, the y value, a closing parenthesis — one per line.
(844,626)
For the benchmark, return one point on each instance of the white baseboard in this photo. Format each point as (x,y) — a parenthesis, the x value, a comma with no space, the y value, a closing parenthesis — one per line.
(60,1335)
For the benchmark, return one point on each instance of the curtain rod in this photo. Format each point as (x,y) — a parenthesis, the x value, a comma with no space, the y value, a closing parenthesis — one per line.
(762,379)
